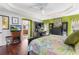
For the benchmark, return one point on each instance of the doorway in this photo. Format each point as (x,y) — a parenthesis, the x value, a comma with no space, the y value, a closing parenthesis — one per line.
(25,29)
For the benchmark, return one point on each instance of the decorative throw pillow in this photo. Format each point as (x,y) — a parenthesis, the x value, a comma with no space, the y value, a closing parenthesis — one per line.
(73,39)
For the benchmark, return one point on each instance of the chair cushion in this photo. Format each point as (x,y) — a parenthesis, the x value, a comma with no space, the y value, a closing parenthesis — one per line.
(73,39)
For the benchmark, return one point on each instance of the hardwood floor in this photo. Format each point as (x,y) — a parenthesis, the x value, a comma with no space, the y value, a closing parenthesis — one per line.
(16,49)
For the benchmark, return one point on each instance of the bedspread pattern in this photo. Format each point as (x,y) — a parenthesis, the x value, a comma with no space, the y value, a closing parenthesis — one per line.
(50,45)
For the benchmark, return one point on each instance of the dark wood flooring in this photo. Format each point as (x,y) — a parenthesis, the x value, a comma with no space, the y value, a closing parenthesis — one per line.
(16,49)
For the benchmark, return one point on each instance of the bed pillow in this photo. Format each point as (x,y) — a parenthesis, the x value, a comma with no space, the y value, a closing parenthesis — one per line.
(73,39)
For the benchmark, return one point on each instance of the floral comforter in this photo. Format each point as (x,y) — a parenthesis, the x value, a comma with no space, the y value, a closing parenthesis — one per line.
(51,45)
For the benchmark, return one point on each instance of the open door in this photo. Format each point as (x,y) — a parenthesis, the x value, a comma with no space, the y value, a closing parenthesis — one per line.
(25,29)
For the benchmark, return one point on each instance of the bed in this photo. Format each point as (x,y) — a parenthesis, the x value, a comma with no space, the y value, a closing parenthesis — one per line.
(51,45)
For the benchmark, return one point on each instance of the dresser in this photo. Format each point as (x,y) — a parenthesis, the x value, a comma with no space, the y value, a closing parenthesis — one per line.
(16,35)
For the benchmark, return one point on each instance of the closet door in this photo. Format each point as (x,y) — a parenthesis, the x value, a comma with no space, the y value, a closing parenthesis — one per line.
(64,28)
(51,28)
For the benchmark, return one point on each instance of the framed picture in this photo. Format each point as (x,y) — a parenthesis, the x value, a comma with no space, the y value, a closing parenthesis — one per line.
(57,22)
(5,22)
(15,20)
(15,28)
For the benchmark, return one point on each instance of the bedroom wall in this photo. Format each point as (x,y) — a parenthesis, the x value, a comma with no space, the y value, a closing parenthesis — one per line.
(64,19)
(69,20)
(5,33)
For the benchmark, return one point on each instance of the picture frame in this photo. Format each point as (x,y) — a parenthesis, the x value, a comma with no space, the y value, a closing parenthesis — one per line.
(57,22)
(15,20)
(14,28)
(5,22)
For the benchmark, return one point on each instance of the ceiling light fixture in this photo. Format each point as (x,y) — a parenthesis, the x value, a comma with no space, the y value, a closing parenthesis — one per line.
(41,7)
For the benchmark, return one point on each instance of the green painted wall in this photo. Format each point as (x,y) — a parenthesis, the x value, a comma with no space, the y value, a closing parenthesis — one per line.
(31,28)
(69,20)
(64,19)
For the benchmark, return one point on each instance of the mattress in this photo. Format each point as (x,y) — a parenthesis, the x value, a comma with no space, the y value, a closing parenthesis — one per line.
(50,45)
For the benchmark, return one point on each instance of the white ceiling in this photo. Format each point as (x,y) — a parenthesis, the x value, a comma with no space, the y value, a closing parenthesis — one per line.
(40,11)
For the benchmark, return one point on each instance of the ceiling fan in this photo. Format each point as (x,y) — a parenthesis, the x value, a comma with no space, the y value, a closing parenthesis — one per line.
(41,7)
